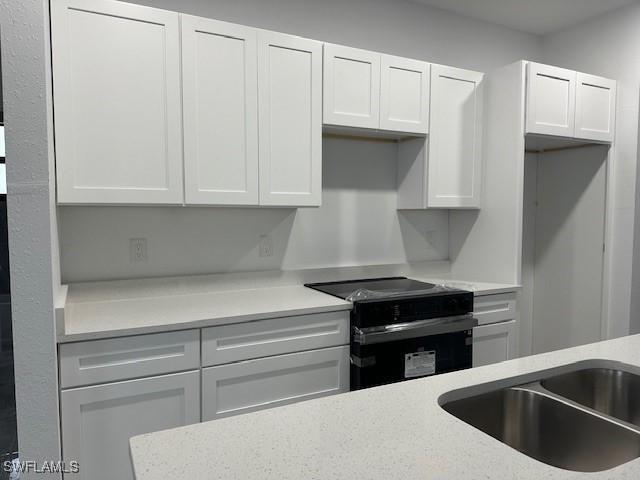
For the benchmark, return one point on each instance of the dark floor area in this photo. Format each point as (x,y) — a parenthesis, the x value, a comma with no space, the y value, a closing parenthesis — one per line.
(8,433)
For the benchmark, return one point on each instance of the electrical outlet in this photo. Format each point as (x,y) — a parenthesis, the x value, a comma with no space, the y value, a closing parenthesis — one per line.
(138,250)
(430,236)
(265,246)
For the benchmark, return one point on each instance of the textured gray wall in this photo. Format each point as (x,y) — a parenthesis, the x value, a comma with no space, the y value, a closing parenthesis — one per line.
(32,226)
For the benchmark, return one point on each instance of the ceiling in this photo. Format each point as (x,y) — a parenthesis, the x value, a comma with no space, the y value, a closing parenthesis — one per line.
(540,17)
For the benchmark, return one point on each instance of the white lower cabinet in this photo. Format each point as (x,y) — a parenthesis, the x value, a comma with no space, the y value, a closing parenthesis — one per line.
(494,343)
(126,386)
(98,421)
(251,385)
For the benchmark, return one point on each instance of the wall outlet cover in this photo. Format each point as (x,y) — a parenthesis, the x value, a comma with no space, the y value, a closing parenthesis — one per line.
(138,250)
(265,246)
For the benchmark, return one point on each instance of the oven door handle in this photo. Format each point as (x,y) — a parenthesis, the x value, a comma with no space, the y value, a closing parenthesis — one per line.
(419,328)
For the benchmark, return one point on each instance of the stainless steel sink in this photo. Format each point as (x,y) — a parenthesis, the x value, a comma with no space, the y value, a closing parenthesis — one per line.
(613,392)
(585,419)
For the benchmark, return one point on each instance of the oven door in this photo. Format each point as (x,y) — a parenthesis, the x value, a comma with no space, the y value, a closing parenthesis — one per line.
(399,352)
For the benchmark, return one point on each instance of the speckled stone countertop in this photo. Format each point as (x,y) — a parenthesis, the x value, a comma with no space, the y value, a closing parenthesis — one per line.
(108,309)
(392,432)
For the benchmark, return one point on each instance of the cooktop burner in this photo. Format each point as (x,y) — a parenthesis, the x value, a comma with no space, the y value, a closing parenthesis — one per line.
(378,287)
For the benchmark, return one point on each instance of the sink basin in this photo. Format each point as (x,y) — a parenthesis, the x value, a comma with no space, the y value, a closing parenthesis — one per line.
(549,430)
(613,392)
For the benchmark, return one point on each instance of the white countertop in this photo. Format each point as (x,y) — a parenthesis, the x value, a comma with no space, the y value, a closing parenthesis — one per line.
(99,310)
(112,318)
(392,432)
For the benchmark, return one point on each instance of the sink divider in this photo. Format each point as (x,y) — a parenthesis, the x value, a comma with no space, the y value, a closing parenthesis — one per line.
(537,388)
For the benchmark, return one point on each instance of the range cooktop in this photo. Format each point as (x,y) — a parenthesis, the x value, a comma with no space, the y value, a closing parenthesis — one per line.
(374,287)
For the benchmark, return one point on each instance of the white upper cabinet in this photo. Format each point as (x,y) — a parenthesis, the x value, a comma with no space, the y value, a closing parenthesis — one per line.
(368,90)
(290,120)
(404,95)
(551,96)
(351,87)
(220,102)
(455,140)
(595,108)
(570,104)
(116,78)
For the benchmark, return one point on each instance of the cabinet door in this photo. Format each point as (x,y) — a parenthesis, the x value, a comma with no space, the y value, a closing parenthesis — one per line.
(220,102)
(455,141)
(290,120)
(97,422)
(404,95)
(351,87)
(495,343)
(273,381)
(116,75)
(595,108)
(551,96)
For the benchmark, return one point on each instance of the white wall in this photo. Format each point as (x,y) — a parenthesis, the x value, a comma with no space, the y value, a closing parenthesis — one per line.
(397,27)
(610,46)
(358,222)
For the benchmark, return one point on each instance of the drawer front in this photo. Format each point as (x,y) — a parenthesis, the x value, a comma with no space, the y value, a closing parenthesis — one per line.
(102,361)
(244,341)
(495,308)
(270,382)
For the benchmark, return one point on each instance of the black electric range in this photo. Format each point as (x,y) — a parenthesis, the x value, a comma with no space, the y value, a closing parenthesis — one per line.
(403,329)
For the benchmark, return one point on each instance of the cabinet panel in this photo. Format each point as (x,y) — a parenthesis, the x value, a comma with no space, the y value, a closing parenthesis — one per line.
(273,381)
(290,120)
(351,87)
(97,422)
(595,108)
(551,96)
(495,308)
(404,94)
(116,74)
(220,102)
(101,361)
(413,168)
(243,341)
(455,142)
(495,343)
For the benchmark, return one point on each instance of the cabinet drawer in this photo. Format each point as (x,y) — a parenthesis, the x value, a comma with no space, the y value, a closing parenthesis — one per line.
(270,382)
(244,341)
(495,308)
(102,361)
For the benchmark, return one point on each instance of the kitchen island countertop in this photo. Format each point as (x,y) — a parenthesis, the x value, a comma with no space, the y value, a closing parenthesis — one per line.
(396,431)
